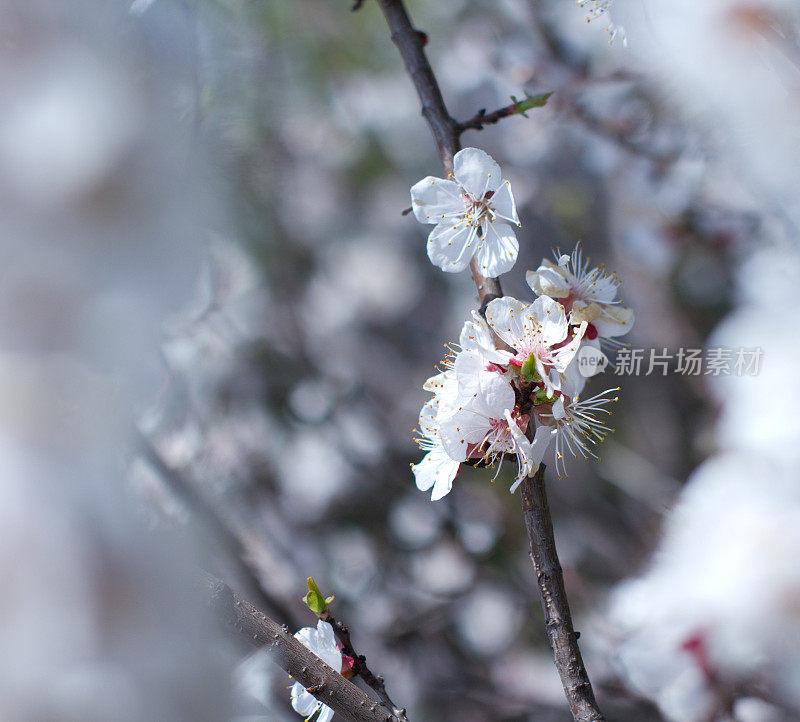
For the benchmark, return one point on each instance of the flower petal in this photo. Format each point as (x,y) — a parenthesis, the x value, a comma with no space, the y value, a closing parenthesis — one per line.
(451,246)
(561,357)
(573,381)
(546,318)
(497,251)
(435,199)
(506,315)
(428,423)
(602,289)
(477,336)
(437,471)
(615,321)
(502,203)
(477,172)
(548,280)
(494,397)
(460,430)
(322,642)
(325,714)
(541,442)
(468,367)
(303,702)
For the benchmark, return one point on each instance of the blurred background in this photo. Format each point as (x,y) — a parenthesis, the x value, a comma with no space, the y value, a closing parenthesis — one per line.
(205,256)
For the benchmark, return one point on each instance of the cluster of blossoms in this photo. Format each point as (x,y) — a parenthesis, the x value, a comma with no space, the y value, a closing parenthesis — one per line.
(512,384)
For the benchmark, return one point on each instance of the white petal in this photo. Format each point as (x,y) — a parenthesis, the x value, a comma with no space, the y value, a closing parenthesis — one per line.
(445,386)
(477,336)
(495,396)
(562,357)
(436,470)
(550,380)
(303,702)
(327,646)
(459,431)
(548,280)
(497,250)
(306,636)
(434,199)
(325,714)
(603,289)
(428,423)
(541,441)
(451,246)
(522,448)
(502,203)
(573,381)
(615,321)
(582,311)
(546,318)
(476,171)
(506,315)
(468,367)
(322,642)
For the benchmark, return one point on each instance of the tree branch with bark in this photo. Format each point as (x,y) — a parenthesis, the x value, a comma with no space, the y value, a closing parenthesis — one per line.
(447,132)
(253,623)
(322,681)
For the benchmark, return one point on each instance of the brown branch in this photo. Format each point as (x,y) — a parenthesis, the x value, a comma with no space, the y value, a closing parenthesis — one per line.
(360,667)
(563,639)
(322,681)
(558,619)
(446,131)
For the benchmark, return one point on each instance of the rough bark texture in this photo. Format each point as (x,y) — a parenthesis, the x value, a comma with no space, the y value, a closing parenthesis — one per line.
(325,683)
(558,619)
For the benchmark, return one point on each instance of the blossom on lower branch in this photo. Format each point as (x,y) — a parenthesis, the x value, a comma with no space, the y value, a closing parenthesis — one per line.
(322,642)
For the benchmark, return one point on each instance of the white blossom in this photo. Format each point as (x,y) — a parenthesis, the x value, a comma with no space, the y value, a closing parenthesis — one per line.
(578,425)
(322,642)
(489,427)
(537,332)
(587,294)
(475,355)
(477,336)
(717,609)
(472,212)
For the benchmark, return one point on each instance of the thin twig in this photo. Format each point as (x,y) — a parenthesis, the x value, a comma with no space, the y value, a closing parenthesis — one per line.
(558,619)
(482,118)
(360,667)
(322,681)
(446,133)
